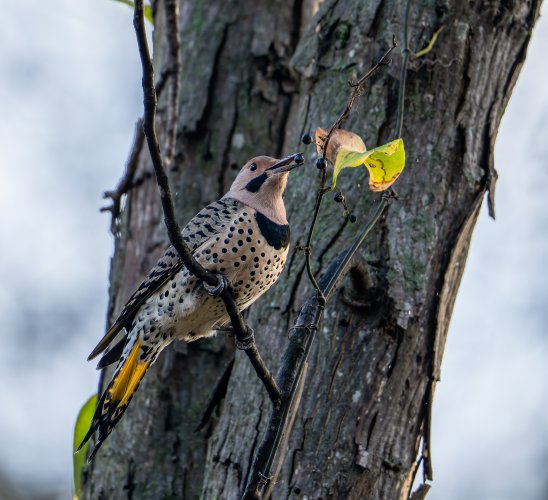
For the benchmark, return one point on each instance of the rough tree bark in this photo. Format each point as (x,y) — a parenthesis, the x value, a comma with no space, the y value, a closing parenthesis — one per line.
(256,75)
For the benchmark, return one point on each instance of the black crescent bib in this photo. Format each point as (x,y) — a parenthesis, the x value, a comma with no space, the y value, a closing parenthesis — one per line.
(276,235)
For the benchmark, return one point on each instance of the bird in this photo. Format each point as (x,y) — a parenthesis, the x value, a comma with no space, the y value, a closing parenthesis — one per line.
(244,236)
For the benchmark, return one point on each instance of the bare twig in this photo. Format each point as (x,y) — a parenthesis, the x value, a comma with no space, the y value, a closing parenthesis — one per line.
(242,332)
(126,182)
(356,93)
(171,71)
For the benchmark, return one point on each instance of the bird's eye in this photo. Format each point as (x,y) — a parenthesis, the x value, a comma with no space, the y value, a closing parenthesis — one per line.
(253,167)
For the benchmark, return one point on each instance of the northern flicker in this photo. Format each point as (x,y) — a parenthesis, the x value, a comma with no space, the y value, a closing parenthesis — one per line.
(244,236)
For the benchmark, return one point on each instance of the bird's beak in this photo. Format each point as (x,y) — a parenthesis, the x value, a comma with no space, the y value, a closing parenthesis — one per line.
(286,164)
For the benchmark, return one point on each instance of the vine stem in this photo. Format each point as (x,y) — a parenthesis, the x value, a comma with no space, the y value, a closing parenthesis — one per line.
(308,247)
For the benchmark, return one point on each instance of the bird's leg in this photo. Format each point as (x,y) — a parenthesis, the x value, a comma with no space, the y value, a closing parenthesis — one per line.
(241,343)
(216,290)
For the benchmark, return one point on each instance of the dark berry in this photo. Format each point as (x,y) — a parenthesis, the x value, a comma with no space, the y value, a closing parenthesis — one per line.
(299,159)
(352,218)
(321,163)
(338,197)
(306,139)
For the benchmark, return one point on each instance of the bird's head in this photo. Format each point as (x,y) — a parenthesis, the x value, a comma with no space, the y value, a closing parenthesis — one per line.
(261,185)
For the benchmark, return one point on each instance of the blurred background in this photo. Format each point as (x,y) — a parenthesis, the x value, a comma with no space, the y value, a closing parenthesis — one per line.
(70,93)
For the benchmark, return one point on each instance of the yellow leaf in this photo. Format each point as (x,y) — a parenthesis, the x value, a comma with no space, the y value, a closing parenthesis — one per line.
(385,163)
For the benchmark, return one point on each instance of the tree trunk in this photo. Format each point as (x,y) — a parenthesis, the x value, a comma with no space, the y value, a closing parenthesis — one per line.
(255,76)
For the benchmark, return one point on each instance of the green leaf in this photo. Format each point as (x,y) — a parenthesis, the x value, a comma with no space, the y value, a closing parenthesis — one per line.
(147,10)
(385,163)
(83,422)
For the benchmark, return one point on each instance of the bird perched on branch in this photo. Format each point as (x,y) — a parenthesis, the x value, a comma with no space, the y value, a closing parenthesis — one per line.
(244,236)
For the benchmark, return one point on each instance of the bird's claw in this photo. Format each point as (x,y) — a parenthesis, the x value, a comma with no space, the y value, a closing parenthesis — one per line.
(247,341)
(216,290)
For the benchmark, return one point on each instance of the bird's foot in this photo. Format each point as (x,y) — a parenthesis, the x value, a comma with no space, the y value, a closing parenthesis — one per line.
(247,341)
(216,290)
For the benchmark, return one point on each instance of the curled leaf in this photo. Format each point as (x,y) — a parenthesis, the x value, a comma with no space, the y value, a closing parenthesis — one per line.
(385,163)
(339,139)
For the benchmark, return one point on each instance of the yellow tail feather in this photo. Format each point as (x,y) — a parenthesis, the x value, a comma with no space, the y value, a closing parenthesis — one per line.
(117,396)
(126,381)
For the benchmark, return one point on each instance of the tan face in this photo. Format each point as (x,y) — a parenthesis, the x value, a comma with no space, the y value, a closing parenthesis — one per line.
(261,184)
(264,176)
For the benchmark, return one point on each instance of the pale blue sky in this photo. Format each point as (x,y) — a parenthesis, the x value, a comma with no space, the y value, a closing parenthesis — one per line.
(70,88)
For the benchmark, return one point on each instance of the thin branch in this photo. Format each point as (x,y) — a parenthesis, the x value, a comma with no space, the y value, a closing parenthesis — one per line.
(358,88)
(295,359)
(172,71)
(356,93)
(243,334)
(343,266)
(126,182)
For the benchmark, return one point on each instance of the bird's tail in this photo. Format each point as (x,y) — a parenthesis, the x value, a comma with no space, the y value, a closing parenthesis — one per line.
(117,396)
